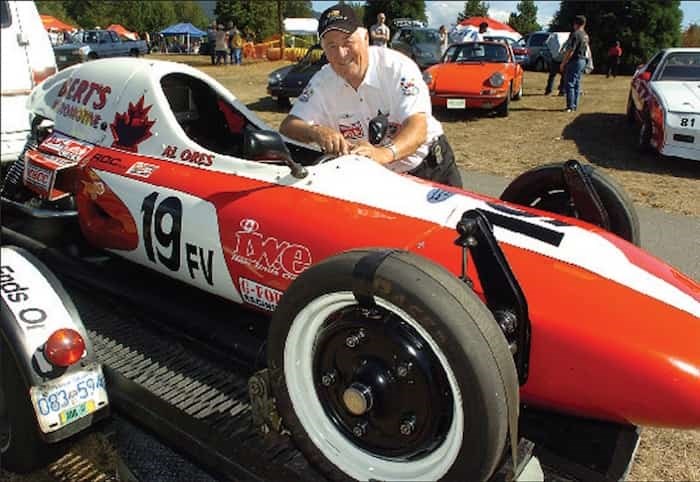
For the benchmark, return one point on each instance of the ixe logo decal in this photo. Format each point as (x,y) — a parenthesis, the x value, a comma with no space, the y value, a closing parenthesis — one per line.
(268,254)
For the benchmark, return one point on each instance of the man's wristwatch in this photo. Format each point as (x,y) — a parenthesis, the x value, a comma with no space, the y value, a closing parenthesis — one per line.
(394,152)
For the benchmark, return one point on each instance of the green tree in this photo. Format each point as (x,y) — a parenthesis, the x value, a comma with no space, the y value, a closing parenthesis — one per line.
(393,9)
(642,26)
(525,21)
(473,8)
(297,9)
(149,16)
(55,9)
(691,36)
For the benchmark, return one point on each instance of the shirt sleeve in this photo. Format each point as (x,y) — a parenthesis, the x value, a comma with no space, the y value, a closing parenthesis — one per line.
(410,94)
(310,105)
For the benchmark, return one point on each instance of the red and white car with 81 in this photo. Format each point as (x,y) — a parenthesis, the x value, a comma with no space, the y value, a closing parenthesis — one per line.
(664,99)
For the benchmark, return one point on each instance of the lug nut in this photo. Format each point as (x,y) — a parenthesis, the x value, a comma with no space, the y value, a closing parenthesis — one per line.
(360,429)
(353,340)
(403,369)
(408,426)
(328,379)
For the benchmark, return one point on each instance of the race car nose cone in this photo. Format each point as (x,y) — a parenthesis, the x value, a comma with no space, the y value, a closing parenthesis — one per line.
(357,398)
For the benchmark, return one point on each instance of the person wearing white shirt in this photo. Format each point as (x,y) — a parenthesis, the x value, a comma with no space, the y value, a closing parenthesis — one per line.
(379,33)
(335,108)
(477,35)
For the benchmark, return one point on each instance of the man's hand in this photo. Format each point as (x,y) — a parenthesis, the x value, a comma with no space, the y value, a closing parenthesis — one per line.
(330,141)
(380,154)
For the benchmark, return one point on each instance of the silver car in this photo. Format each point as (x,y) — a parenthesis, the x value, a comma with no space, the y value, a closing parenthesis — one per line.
(419,43)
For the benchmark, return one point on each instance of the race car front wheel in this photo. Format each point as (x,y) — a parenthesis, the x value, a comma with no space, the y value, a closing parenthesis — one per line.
(407,381)
(21,447)
(544,188)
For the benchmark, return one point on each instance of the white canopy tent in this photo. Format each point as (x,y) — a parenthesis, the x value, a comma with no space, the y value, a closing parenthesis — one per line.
(300,26)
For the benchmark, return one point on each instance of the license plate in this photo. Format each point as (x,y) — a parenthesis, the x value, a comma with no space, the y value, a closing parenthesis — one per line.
(456,103)
(61,402)
(62,58)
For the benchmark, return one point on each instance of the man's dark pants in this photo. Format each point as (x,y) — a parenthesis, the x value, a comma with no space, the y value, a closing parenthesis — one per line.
(439,165)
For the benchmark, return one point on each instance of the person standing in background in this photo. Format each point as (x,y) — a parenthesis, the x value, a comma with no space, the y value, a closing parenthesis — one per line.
(220,45)
(443,39)
(379,33)
(574,62)
(211,41)
(557,52)
(614,56)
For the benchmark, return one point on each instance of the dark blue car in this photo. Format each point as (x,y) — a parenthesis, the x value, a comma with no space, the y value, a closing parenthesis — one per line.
(289,81)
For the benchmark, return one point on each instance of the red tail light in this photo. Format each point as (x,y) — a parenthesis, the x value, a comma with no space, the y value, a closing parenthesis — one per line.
(64,347)
(40,75)
(657,121)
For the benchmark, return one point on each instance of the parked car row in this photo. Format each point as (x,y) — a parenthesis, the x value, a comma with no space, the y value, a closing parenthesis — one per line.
(96,44)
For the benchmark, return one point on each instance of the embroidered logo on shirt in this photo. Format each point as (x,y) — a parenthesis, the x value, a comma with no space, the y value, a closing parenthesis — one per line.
(352,131)
(408,86)
(306,94)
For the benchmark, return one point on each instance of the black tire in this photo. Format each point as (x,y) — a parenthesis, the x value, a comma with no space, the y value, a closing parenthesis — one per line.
(519,94)
(134,52)
(283,102)
(21,448)
(644,135)
(504,109)
(630,114)
(544,188)
(92,56)
(450,322)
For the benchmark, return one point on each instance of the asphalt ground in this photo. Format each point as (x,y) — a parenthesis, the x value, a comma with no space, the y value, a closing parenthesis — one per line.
(674,238)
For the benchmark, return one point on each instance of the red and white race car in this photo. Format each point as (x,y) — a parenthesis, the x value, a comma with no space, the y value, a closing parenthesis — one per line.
(664,99)
(408,319)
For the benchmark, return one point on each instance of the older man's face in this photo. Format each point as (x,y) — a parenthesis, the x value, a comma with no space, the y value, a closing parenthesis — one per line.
(347,54)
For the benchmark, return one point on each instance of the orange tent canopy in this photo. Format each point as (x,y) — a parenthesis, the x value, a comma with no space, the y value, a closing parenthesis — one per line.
(115,27)
(52,23)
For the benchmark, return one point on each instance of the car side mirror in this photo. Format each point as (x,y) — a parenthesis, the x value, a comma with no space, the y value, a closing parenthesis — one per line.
(269,145)
(378,127)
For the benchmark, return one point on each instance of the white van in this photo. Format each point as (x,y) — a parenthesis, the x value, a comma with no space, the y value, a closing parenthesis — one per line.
(27,59)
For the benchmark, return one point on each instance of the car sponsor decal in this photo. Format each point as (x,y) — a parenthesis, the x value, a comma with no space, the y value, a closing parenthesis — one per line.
(66,147)
(107,159)
(142,169)
(31,299)
(132,127)
(264,297)
(267,254)
(437,195)
(79,99)
(408,86)
(94,188)
(306,94)
(39,177)
(187,155)
(352,131)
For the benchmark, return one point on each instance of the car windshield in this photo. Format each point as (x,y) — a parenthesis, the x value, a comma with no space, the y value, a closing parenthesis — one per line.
(426,36)
(681,66)
(505,40)
(478,52)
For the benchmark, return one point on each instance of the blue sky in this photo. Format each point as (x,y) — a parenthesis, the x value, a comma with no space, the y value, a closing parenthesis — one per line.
(440,12)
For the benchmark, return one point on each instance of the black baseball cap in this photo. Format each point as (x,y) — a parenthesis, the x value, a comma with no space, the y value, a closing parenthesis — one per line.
(338,17)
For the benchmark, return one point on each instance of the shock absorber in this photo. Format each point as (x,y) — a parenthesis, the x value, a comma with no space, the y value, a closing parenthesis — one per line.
(12,185)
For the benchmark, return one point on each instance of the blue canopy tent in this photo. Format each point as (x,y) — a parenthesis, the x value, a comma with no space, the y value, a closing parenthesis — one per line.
(185,29)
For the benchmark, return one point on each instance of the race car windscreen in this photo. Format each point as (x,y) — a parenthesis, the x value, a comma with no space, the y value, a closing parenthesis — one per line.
(477,52)
(683,66)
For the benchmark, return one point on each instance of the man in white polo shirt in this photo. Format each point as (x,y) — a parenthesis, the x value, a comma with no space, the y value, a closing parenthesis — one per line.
(359,82)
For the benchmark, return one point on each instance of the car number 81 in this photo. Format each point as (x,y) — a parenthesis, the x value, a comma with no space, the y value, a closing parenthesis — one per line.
(688,122)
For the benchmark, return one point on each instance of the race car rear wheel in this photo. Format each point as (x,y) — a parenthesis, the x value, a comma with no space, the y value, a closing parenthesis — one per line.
(21,447)
(412,387)
(544,188)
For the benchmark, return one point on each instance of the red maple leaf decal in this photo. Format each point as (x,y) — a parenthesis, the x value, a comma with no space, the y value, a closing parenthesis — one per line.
(132,127)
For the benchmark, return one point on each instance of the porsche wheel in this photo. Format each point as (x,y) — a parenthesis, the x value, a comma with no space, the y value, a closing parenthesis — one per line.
(413,387)
(21,447)
(544,188)
(519,94)
(504,109)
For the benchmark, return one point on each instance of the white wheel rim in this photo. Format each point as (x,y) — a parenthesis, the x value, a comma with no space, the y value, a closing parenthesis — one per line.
(357,463)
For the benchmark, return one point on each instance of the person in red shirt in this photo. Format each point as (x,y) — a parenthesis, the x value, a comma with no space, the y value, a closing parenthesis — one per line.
(614,55)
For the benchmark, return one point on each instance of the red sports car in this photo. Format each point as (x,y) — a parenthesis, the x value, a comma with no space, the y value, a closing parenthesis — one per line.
(476,75)
(408,319)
